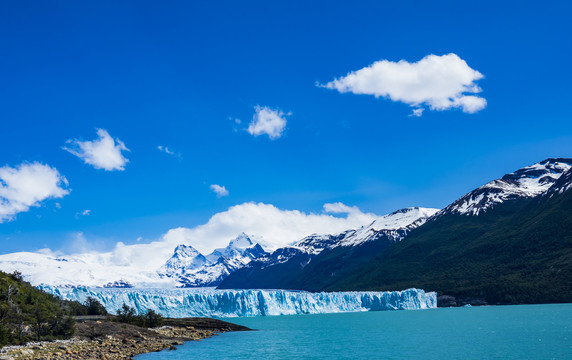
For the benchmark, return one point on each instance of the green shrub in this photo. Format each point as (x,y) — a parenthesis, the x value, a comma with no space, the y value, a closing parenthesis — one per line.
(94,307)
(128,315)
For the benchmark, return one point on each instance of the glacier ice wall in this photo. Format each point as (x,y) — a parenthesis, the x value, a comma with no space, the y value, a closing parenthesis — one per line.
(231,303)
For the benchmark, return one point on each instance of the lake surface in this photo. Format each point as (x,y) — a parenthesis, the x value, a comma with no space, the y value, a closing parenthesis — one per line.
(492,332)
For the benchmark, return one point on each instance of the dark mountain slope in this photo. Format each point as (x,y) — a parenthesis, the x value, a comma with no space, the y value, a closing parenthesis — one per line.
(305,271)
(317,261)
(520,251)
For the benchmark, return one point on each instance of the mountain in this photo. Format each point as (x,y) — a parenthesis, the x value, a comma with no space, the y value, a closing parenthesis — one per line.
(189,268)
(185,258)
(527,182)
(185,267)
(507,242)
(312,262)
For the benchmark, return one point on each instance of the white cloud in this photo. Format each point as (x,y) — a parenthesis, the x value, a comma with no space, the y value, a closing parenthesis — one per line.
(86,212)
(220,191)
(340,208)
(102,153)
(417,112)
(267,121)
(272,228)
(165,150)
(168,151)
(438,82)
(28,185)
(79,244)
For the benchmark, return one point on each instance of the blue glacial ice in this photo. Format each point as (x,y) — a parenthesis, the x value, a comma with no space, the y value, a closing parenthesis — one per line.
(231,303)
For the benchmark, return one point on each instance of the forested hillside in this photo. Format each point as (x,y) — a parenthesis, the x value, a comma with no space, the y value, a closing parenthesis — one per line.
(27,313)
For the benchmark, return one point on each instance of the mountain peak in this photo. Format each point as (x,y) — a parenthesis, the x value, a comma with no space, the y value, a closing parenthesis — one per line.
(242,241)
(184,258)
(402,218)
(528,181)
(185,252)
(563,184)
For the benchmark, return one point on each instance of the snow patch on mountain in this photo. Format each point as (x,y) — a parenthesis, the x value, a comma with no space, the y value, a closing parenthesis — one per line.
(186,267)
(185,257)
(189,268)
(395,226)
(89,269)
(529,181)
(563,184)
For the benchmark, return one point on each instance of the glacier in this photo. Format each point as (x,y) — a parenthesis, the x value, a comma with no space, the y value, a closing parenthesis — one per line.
(208,302)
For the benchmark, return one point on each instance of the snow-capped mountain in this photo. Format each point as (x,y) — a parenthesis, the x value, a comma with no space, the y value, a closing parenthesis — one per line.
(88,269)
(286,262)
(242,247)
(563,184)
(395,225)
(186,267)
(185,258)
(126,266)
(190,268)
(527,182)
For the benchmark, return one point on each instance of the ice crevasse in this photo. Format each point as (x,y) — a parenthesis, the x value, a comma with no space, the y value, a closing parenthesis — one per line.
(178,303)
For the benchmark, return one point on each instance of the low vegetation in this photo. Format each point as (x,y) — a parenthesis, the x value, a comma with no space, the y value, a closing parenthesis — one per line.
(148,320)
(29,314)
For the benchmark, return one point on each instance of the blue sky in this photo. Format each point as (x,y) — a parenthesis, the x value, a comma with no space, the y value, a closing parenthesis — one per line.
(179,75)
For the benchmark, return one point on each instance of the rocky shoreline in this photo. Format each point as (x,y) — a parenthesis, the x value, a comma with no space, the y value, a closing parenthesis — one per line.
(108,340)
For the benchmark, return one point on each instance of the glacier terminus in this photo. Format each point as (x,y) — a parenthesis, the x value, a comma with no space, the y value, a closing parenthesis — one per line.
(208,302)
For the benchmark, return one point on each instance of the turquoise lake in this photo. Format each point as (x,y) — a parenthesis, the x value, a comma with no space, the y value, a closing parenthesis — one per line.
(491,332)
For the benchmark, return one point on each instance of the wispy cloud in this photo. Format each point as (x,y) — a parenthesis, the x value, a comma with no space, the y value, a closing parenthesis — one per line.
(220,191)
(102,153)
(27,185)
(267,121)
(438,82)
(168,151)
(417,112)
(86,212)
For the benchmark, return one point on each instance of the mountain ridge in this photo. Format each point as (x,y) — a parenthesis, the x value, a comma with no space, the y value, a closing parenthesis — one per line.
(518,252)
(286,266)
(515,248)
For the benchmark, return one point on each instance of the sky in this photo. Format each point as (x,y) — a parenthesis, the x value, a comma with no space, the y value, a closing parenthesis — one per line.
(124,122)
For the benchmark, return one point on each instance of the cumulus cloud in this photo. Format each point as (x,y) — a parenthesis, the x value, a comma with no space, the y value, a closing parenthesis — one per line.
(220,191)
(267,121)
(27,185)
(272,228)
(102,153)
(437,82)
